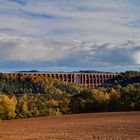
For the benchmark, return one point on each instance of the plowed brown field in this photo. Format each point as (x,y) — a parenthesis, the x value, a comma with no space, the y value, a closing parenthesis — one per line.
(98,126)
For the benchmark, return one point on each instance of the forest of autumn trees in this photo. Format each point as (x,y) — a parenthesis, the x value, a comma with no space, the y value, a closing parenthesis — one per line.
(23,96)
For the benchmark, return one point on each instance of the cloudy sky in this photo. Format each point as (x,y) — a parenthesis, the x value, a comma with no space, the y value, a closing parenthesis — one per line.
(69,35)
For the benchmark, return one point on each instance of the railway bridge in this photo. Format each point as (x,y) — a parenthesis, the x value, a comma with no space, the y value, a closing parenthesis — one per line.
(91,79)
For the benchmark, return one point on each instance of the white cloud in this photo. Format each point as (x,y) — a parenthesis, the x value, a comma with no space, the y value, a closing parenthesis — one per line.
(82,20)
(68,53)
(136,56)
(31,49)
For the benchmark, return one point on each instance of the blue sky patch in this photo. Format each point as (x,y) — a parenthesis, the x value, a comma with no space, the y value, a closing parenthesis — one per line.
(21,2)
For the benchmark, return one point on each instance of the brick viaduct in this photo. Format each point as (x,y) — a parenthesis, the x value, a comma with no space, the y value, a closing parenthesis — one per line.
(80,78)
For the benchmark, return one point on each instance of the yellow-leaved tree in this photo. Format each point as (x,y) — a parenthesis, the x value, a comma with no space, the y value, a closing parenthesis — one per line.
(7,107)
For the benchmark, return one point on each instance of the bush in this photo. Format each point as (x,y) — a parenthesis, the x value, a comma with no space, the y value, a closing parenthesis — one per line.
(64,106)
(89,101)
(7,107)
(52,108)
(114,104)
(130,98)
(31,106)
